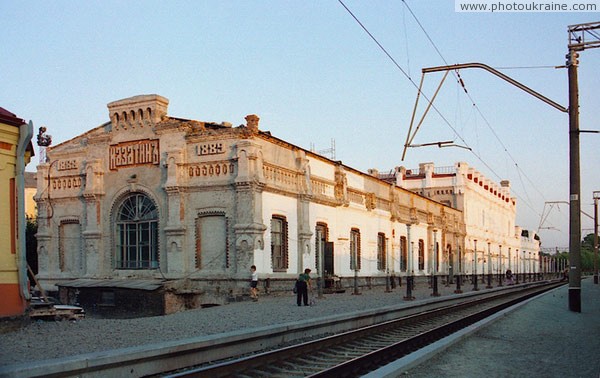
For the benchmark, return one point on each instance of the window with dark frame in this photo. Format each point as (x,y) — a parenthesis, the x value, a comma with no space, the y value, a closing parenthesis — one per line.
(321,236)
(381,252)
(279,243)
(137,233)
(403,254)
(355,249)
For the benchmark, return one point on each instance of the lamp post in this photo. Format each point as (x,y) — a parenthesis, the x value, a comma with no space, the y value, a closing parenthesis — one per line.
(321,272)
(522,266)
(500,268)
(448,267)
(387,267)
(517,264)
(435,292)
(460,268)
(409,268)
(530,268)
(475,288)
(489,266)
(354,245)
(596,197)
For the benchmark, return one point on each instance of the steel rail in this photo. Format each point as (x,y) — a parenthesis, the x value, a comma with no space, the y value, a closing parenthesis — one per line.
(321,352)
(378,358)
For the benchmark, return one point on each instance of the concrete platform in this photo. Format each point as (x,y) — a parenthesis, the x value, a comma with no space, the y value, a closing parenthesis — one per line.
(540,338)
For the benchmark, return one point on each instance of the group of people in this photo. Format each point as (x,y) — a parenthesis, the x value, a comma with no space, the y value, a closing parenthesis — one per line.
(301,287)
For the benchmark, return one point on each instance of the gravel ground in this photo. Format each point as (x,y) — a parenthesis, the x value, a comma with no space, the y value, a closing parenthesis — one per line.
(42,340)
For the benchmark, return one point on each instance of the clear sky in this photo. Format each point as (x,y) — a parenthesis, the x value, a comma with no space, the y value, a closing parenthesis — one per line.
(312,74)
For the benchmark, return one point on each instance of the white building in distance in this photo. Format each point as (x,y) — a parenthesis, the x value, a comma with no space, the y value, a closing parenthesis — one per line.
(493,242)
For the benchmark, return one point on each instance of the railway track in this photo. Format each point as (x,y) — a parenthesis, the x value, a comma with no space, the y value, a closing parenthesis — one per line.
(357,352)
(352,339)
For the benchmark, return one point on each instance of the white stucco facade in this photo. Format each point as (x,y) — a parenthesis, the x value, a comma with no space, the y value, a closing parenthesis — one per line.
(195,204)
(493,242)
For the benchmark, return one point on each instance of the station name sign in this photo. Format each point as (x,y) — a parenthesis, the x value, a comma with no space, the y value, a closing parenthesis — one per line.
(138,152)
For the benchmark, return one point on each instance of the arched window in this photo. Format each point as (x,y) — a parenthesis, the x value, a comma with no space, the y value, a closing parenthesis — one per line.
(137,233)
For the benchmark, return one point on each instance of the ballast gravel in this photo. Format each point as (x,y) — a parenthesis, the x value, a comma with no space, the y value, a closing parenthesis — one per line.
(41,340)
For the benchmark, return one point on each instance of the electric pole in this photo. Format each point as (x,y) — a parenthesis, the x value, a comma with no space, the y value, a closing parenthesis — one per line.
(574,186)
(581,37)
(577,42)
(596,197)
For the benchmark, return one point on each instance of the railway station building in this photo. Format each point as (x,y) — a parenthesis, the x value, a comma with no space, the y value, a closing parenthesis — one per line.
(493,242)
(162,213)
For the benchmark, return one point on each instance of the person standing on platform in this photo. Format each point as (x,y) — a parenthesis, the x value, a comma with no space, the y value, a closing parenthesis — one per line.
(302,285)
(254,284)
(509,277)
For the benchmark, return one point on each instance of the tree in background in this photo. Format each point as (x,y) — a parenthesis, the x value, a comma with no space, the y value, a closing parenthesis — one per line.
(587,253)
(31,246)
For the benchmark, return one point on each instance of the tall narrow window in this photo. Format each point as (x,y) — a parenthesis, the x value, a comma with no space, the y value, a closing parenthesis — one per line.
(69,246)
(421,254)
(355,249)
(211,242)
(403,254)
(321,237)
(381,252)
(279,245)
(450,262)
(137,233)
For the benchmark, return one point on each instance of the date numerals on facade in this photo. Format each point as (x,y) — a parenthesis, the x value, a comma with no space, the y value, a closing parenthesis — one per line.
(66,165)
(209,149)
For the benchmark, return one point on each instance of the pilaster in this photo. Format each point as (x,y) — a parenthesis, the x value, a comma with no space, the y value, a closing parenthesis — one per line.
(249,183)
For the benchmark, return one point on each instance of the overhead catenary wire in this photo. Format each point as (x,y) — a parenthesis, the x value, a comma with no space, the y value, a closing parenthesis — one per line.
(462,84)
(445,120)
(401,70)
(406,42)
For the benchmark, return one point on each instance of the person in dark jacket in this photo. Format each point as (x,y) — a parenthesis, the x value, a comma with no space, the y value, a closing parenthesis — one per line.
(302,286)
